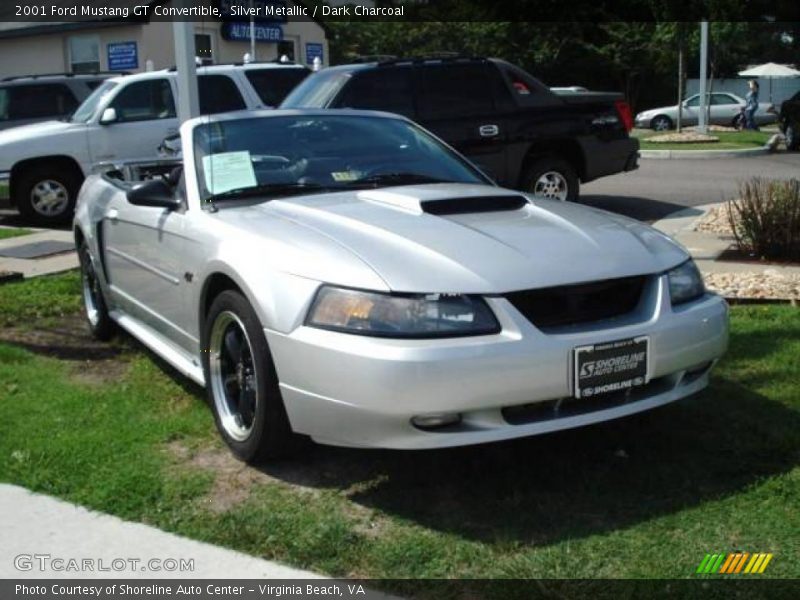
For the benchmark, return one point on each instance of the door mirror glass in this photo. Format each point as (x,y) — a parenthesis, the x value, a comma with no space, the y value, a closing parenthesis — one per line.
(157,193)
(109,116)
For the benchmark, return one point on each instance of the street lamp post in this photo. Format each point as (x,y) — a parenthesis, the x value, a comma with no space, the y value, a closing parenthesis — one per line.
(186,68)
(702,124)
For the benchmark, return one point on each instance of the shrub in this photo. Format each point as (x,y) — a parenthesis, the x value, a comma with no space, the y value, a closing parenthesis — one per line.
(765,219)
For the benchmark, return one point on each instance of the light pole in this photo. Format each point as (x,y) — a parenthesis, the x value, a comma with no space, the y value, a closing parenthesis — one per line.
(186,67)
(702,126)
(252,33)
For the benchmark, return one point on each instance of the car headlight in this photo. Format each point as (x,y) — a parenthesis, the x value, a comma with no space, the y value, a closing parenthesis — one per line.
(685,283)
(401,315)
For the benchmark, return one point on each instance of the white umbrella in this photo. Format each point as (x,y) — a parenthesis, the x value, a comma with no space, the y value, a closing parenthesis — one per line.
(770,71)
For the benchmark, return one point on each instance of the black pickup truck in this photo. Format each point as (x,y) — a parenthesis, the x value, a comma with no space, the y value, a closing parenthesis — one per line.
(506,121)
(789,122)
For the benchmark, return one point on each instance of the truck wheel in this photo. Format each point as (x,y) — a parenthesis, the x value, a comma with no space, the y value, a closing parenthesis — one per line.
(661,123)
(242,384)
(100,323)
(792,140)
(552,178)
(46,195)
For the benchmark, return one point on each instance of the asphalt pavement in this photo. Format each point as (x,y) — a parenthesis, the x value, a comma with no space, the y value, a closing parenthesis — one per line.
(660,187)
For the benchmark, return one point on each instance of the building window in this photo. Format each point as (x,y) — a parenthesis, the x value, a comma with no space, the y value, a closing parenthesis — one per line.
(286,48)
(84,53)
(203,50)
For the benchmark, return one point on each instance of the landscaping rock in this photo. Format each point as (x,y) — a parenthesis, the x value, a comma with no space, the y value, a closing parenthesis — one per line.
(715,221)
(770,284)
(685,137)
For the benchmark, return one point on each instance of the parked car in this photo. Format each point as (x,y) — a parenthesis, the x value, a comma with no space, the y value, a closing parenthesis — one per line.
(506,121)
(34,98)
(789,121)
(347,276)
(725,109)
(125,118)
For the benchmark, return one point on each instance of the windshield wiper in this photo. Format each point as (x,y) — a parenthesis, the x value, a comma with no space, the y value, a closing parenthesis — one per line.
(395,178)
(270,190)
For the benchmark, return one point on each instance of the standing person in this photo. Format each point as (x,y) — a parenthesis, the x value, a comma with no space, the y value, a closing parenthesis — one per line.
(751,105)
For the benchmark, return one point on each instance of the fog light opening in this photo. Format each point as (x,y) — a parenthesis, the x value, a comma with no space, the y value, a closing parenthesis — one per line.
(436,420)
(695,373)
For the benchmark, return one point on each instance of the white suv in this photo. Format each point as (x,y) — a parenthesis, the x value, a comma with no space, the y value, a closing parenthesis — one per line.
(42,166)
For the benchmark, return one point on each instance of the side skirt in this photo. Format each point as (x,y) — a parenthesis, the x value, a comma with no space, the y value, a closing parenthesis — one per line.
(156,342)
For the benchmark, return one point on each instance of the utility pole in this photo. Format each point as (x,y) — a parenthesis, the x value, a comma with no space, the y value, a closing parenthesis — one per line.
(702,124)
(681,40)
(186,67)
(252,33)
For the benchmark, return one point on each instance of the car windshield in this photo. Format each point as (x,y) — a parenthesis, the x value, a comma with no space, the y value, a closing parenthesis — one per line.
(89,106)
(274,156)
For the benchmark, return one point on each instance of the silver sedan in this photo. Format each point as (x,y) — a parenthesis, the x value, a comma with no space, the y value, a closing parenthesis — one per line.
(724,109)
(346,276)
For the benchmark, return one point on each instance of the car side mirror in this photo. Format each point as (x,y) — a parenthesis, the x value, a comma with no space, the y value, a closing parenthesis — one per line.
(157,193)
(109,116)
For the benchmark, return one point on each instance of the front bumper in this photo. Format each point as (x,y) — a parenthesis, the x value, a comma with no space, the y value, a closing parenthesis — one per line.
(359,391)
(5,183)
(642,122)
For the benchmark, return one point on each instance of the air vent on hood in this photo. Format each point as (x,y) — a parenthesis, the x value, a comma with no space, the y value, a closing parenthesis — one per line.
(472,204)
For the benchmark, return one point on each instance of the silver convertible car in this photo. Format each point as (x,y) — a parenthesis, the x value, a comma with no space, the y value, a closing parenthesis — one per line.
(346,276)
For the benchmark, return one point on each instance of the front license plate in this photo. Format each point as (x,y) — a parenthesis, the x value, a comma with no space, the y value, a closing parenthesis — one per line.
(610,366)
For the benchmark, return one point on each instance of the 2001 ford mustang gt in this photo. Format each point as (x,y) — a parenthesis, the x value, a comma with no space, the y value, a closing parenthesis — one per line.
(345,275)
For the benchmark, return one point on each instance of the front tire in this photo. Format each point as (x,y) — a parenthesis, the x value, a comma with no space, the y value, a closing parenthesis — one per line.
(552,178)
(242,383)
(100,323)
(661,123)
(46,195)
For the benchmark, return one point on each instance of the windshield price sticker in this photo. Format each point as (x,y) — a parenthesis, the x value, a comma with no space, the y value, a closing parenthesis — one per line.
(228,171)
(611,367)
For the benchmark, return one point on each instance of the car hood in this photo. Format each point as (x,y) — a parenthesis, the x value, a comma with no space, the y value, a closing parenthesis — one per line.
(544,243)
(25,133)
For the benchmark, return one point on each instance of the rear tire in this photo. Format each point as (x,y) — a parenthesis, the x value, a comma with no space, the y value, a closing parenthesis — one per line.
(100,323)
(552,178)
(242,383)
(661,123)
(791,137)
(46,195)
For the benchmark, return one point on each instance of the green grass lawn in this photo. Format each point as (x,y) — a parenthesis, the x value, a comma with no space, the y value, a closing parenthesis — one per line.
(10,232)
(112,428)
(728,140)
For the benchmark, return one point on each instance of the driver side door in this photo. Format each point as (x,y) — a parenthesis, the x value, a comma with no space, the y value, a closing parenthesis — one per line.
(147,278)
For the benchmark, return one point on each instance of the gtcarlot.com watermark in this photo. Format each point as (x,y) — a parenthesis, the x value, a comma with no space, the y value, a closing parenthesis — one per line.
(47,563)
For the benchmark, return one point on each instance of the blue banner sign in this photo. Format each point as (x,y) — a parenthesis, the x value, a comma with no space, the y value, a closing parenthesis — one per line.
(314,50)
(123,56)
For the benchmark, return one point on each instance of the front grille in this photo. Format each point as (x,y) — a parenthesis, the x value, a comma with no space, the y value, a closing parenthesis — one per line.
(581,303)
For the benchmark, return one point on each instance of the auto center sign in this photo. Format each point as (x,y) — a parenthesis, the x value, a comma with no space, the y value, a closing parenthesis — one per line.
(240,32)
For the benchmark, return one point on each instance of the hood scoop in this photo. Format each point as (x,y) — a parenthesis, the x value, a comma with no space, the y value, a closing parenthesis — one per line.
(446,206)
(473,204)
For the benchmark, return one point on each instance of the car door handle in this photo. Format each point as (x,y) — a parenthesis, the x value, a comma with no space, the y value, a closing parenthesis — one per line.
(488,130)
(112,214)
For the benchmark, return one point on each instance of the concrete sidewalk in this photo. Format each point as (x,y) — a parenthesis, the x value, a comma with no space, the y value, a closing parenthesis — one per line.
(33,524)
(32,267)
(705,248)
